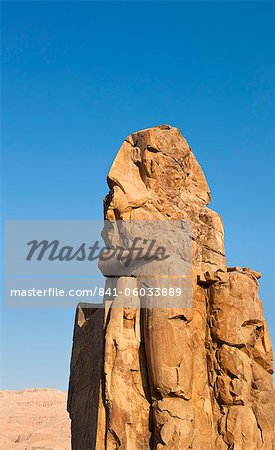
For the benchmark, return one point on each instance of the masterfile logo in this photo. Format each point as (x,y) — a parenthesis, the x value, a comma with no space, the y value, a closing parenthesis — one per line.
(79,255)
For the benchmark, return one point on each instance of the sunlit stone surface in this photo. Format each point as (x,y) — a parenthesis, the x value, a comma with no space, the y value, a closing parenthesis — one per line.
(196,377)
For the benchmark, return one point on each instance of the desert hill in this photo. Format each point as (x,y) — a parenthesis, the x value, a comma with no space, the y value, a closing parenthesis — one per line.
(34,419)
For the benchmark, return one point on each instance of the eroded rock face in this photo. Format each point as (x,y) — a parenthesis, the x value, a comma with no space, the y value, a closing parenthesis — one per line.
(192,377)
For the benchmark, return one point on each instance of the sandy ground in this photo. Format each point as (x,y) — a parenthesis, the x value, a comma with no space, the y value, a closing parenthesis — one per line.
(34,419)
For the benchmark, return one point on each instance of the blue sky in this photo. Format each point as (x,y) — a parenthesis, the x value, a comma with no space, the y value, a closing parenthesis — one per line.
(78,77)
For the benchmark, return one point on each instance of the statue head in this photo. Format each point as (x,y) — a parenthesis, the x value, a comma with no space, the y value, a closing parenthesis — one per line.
(155,170)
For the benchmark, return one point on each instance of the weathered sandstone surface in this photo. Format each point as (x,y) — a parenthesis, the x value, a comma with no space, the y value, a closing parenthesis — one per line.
(34,419)
(192,377)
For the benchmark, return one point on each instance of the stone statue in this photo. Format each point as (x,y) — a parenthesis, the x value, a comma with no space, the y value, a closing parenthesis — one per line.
(196,375)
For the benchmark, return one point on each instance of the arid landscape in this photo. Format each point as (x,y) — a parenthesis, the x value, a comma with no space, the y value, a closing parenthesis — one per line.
(138,269)
(34,419)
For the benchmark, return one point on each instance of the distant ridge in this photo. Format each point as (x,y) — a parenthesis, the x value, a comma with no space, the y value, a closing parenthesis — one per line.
(34,419)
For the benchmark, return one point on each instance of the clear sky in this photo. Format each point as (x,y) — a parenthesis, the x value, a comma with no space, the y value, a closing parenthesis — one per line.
(79,77)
